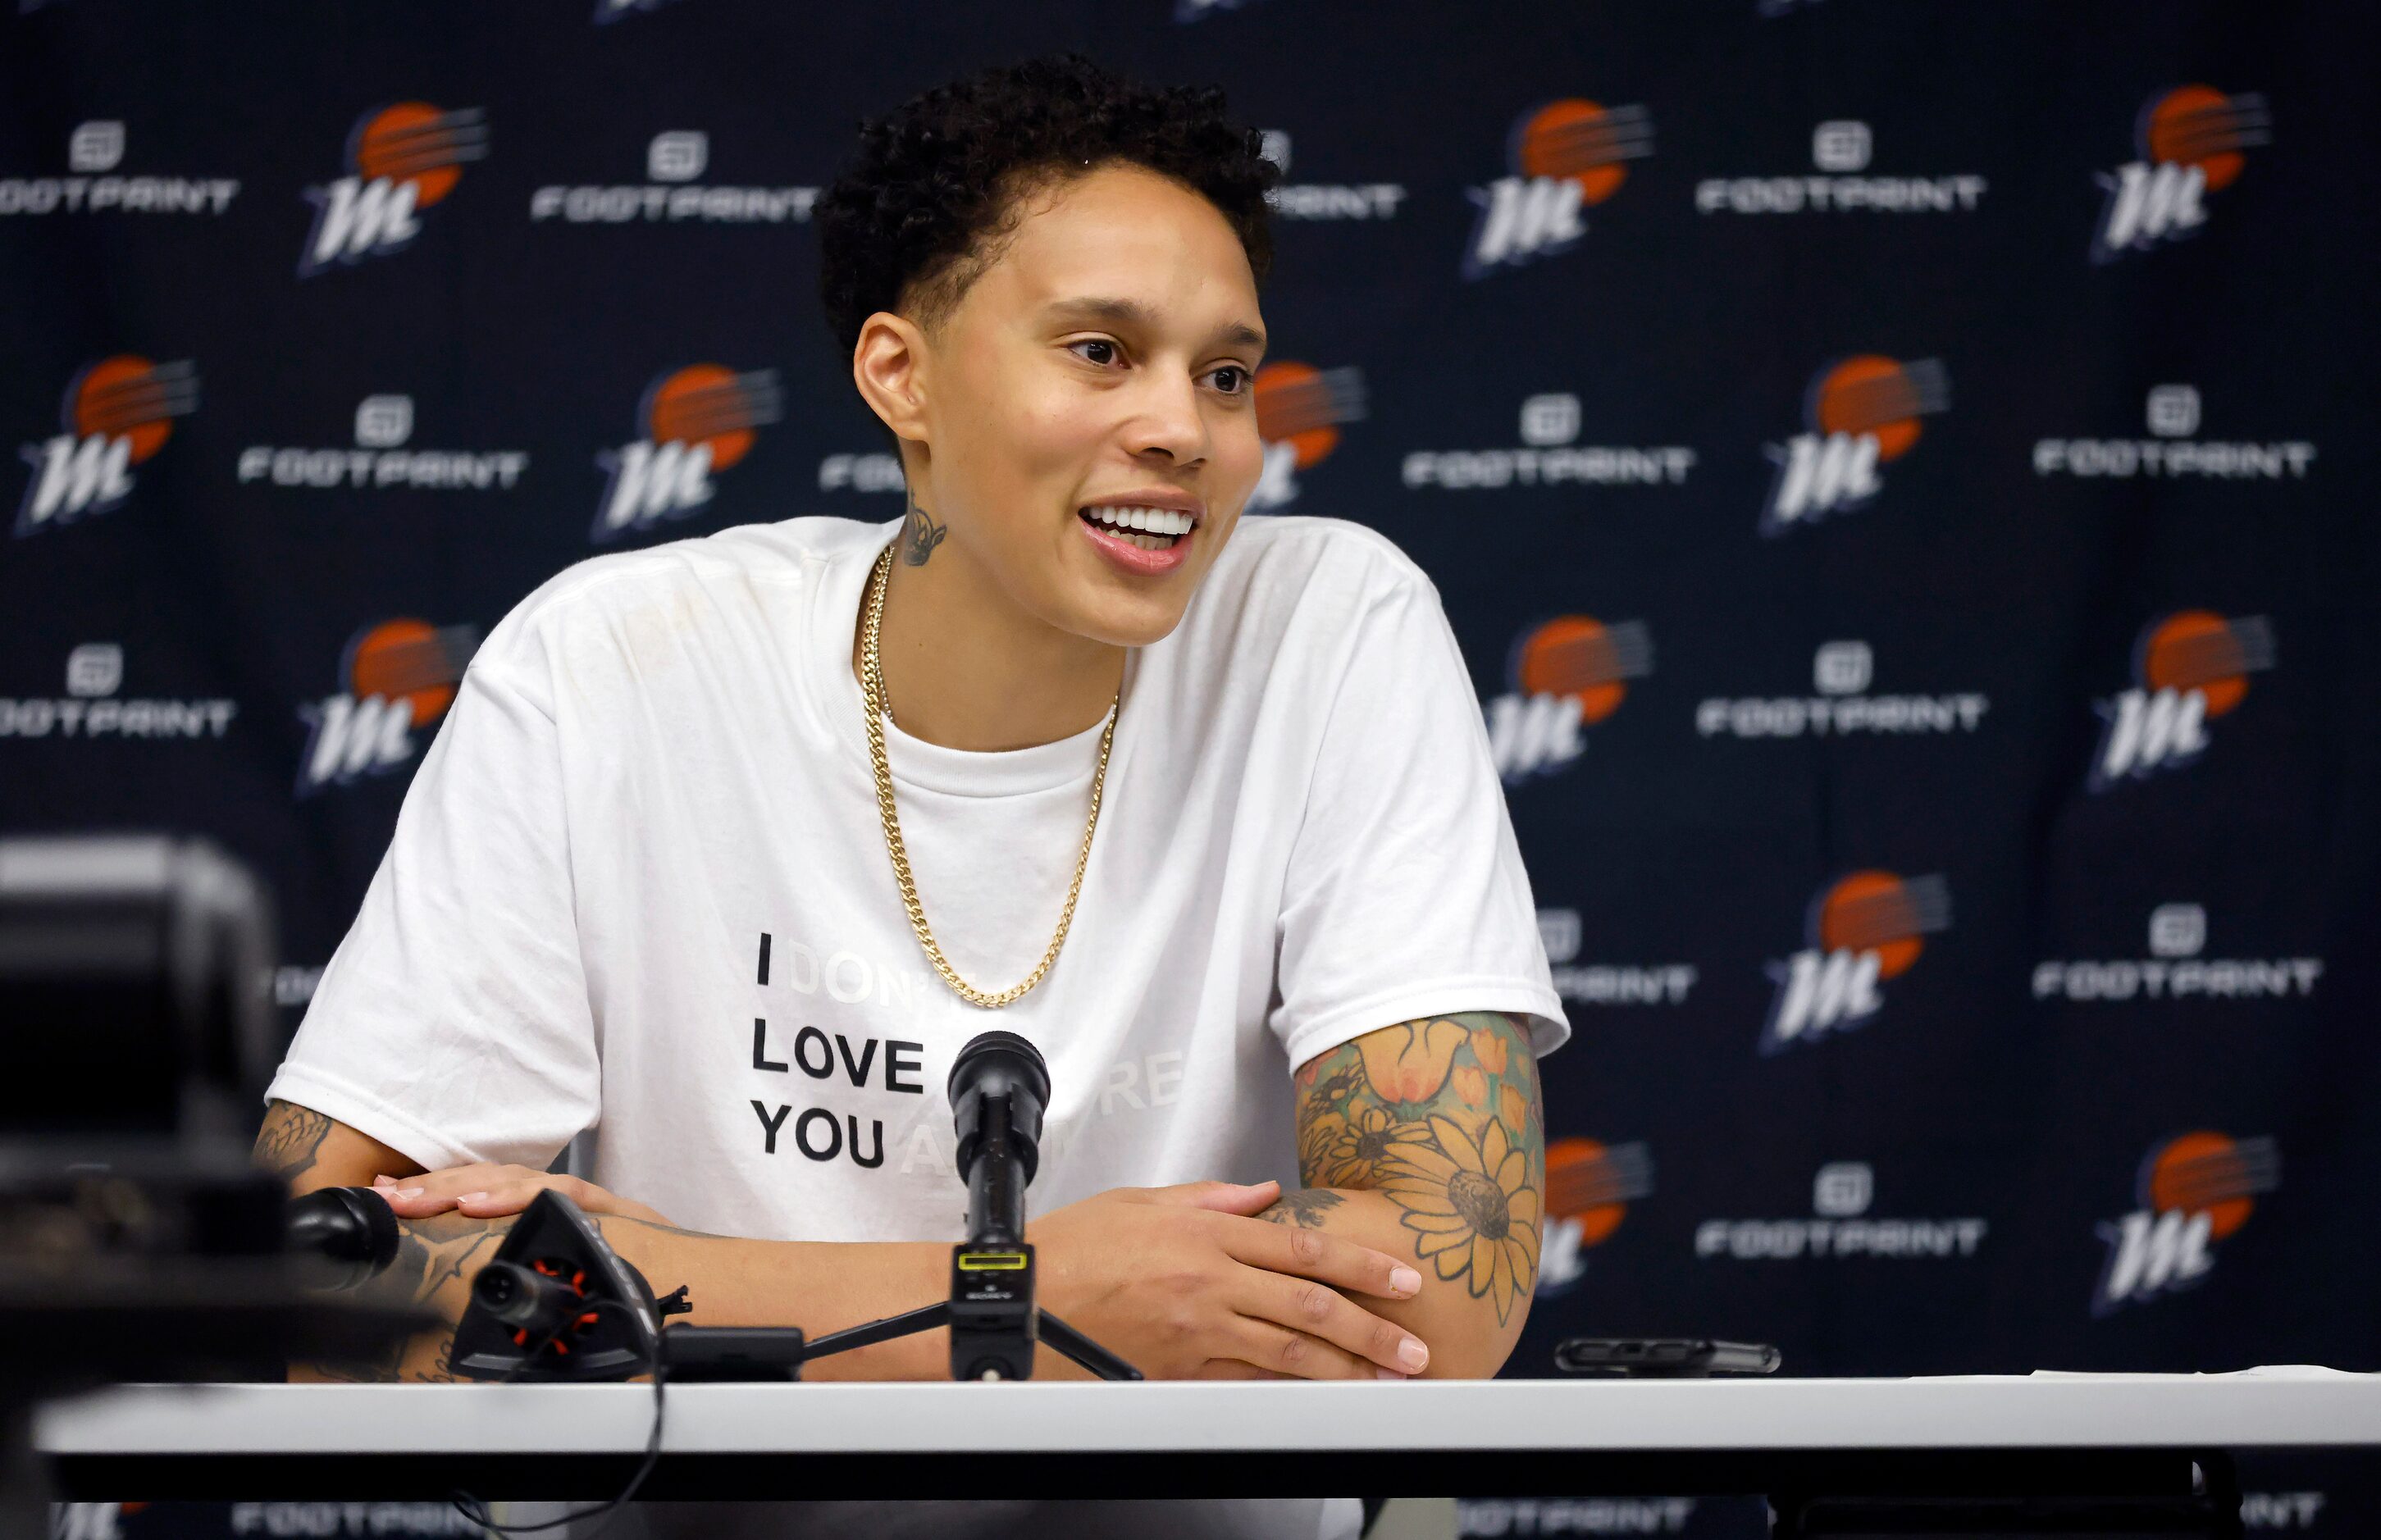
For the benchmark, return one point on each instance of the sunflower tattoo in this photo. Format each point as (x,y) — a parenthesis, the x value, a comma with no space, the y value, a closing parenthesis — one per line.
(1443,1116)
(1471,1206)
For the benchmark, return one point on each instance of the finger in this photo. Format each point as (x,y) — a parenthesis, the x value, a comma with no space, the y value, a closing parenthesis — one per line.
(455,1179)
(1227,1197)
(435,1192)
(1319,1255)
(503,1198)
(1307,1308)
(415,1202)
(1295,1354)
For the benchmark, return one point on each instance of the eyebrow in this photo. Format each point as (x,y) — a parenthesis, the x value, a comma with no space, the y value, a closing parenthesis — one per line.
(1132,312)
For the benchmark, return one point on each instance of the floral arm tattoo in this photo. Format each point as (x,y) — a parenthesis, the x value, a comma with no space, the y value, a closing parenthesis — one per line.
(1443,1115)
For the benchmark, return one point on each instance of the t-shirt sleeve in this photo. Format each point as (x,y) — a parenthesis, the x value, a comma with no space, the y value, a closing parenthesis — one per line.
(452,1023)
(1405,894)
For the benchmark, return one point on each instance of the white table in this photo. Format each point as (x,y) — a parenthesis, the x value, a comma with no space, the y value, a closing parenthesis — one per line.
(2108,1435)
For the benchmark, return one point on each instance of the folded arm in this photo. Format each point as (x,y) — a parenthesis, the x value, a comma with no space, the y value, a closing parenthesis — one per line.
(1427,1139)
(733,1281)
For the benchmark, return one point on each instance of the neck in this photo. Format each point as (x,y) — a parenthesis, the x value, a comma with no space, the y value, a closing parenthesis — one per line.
(965,667)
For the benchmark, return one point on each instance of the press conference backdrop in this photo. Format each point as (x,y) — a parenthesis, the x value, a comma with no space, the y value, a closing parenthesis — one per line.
(1901,476)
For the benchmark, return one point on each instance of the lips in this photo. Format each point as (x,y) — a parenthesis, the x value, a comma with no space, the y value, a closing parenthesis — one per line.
(1141,552)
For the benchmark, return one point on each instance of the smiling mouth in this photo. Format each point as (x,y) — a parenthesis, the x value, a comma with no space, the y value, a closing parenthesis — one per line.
(1150,529)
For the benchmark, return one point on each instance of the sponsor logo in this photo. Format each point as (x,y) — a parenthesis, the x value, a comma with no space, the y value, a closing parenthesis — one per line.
(1840,705)
(1602,984)
(1549,455)
(609,11)
(402,160)
(1859,414)
(877,472)
(1840,1197)
(2171,451)
(1863,929)
(1327,200)
(1529,1516)
(697,420)
(1300,412)
(117,413)
(2188,669)
(2189,143)
(1567,673)
(2175,970)
(1194,10)
(1589,1189)
(1841,151)
(400,675)
(1565,157)
(93,151)
(294,983)
(670,193)
(2280,1509)
(380,460)
(2193,1190)
(89,707)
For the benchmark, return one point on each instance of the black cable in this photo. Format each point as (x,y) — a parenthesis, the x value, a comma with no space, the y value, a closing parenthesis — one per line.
(476,1511)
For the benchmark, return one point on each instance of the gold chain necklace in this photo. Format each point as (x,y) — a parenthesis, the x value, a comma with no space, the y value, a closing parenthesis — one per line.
(873,679)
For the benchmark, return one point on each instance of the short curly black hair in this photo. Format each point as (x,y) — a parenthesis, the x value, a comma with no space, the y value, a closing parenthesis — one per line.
(923,209)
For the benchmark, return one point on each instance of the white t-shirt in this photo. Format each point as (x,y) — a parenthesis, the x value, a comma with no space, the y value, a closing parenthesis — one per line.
(639,884)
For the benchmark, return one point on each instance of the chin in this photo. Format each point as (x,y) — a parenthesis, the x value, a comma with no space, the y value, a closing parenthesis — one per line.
(1128,621)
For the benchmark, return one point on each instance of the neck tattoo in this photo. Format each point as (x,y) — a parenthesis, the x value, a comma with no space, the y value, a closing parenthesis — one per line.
(920,534)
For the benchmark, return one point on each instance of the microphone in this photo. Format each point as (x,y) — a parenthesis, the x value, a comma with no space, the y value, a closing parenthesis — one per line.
(998,1088)
(348,1234)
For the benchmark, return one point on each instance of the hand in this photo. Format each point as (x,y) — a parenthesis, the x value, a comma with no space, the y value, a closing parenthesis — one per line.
(1183,1284)
(486,1191)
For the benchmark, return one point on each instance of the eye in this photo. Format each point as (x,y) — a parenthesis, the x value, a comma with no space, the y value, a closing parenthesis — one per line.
(1108,349)
(1232,379)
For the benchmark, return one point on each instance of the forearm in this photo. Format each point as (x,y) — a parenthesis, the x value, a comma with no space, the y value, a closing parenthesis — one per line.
(1461,1329)
(1427,1140)
(821,1287)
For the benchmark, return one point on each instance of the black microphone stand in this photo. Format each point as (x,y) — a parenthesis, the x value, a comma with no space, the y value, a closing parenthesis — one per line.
(993,1320)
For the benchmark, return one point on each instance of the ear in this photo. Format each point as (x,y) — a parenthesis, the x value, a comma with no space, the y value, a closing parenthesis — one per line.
(888,364)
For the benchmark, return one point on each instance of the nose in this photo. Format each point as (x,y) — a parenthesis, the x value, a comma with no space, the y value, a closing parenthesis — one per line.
(1166,419)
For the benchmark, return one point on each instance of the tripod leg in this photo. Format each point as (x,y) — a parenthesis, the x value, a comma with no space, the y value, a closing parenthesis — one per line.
(1084,1350)
(908,1324)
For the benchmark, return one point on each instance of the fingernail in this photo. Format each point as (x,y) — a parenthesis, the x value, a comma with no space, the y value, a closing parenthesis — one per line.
(469,1198)
(384,1179)
(407,1192)
(1404,1280)
(1413,1354)
(1388,1373)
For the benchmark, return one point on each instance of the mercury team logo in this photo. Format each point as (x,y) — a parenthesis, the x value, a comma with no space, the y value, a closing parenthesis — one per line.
(697,420)
(1859,414)
(1589,1189)
(1864,929)
(117,412)
(2194,1190)
(2188,668)
(1300,412)
(402,160)
(2189,142)
(1566,157)
(1568,673)
(399,674)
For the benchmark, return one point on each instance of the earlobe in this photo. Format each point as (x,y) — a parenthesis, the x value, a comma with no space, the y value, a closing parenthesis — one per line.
(888,367)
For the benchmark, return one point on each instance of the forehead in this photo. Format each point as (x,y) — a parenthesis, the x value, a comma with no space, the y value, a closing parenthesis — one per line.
(1122,231)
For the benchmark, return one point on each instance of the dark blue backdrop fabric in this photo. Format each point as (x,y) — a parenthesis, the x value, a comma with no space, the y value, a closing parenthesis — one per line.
(1901,477)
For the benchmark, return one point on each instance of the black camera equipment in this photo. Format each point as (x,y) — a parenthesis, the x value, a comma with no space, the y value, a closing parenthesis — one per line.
(137,1241)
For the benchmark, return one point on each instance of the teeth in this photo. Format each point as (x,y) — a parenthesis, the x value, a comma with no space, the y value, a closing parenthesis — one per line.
(1154,520)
